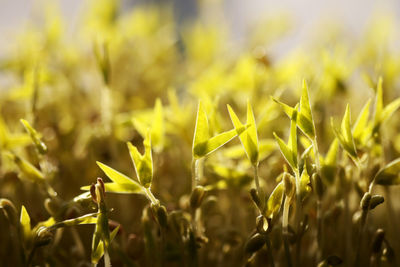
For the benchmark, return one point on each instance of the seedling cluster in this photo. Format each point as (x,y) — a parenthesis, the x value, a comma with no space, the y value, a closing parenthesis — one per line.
(133,145)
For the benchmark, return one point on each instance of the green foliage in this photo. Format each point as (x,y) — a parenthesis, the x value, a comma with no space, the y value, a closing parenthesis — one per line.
(203,144)
(176,95)
(249,138)
(344,135)
(143,163)
(289,150)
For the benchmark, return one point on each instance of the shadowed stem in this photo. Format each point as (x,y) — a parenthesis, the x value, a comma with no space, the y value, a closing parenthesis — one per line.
(285,224)
(319,204)
(298,213)
(269,251)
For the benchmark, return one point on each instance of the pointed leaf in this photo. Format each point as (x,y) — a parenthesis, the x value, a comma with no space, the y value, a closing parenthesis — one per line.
(25,222)
(219,140)
(131,188)
(389,175)
(305,188)
(378,104)
(360,126)
(201,132)
(390,109)
(345,136)
(286,108)
(114,175)
(248,138)
(27,169)
(158,126)
(286,152)
(40,146)
(143,163)
(305,120)
(329,163)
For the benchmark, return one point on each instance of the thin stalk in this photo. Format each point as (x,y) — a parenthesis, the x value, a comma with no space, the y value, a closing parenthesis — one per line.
(257,183)
(363,221)
(150,196)
(269,251)
(197,171)
(298,213)
(319,204)
(285,224)
(316,154)
(319,229)
(107,261)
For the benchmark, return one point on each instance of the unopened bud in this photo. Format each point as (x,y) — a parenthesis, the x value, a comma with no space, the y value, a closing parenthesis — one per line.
(366,199)
(255,243)
(317,185)
(43,236)
(162,216)
(289,184)
(375,201)
(197,197)
(377,241)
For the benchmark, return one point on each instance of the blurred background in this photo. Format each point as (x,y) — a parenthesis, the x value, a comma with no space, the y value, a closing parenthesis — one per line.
(240,15)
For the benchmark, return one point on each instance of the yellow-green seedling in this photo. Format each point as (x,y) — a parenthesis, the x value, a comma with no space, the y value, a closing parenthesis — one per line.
(289,150)
(248,138)
(345,136)
(203,143)
(120,183)
(143,163)
(36,139)
(155,122)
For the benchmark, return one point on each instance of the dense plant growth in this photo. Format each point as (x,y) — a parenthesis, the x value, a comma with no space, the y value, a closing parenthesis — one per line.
(142,142)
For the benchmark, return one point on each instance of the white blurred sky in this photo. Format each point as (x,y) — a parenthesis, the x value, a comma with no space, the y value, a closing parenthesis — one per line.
(306,13)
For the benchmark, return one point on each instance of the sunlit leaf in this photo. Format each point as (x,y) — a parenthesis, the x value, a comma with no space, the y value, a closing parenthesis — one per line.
(329,163)
(27,169)
(143,163)
(158,126)
(25,222)
(274,201)
(305,119)
(360,129)
(286,108)
(114,175)
(41,147)
(389,175)
(248,138)
(286,152)
(201,132)
(305,188)
(345,136)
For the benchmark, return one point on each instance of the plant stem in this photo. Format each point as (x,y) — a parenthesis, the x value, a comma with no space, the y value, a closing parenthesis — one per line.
(319,204)
(107,261)
(197,171)
(285,223)
(150,196)
(258,188)
(316,154)
(298,213)
(269,251)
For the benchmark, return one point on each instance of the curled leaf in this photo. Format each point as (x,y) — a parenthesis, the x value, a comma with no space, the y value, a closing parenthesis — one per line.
(389,175)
